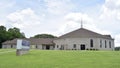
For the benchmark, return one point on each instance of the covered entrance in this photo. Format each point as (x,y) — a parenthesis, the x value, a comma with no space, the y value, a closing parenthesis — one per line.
(47,47)
(82,46)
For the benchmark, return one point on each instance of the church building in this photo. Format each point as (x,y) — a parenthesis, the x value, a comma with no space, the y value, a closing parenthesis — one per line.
(83,39)
(80,39)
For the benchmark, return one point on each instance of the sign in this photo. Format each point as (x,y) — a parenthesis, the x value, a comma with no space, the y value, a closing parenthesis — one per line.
(23,46)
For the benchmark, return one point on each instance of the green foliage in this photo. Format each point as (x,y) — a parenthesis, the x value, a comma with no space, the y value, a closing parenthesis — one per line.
(2,28)
(117,48)
(61,59)
(2,34)
(10,34)
(15,33)
(44,36)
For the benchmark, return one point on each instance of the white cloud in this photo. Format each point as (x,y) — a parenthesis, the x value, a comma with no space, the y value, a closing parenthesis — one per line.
(111,9)
(100,24)
(26,20)
(2,23)
(23,18)
(110,18)
(58,6)
(6,4)
(78,16)
(59,18)
(72,21)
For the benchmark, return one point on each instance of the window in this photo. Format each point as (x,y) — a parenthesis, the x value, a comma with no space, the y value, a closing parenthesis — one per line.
(91,43)
(105,44)
(74,46)
(53,46)
(11,46)
(62,47)
(36,46)
(57,46)
(109,44)
(100,43)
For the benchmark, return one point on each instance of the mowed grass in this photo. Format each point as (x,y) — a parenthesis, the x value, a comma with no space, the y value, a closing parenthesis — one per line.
(5,50)
(61,59)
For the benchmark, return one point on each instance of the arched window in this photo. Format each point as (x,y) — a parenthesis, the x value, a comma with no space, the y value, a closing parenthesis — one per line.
(74,45)
(100,43)
(91,42)
(105,44)
(109,44)
(57,46)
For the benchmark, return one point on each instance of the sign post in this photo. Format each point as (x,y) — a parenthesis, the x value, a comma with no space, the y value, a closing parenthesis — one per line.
(23,47)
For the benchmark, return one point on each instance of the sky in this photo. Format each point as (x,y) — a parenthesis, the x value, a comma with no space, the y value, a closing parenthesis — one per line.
(58,17)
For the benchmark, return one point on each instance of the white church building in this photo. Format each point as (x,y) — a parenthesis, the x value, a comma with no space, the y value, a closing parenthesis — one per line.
(83,39)
(80,39)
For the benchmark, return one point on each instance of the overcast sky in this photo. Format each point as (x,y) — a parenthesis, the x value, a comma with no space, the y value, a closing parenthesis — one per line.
(58,17)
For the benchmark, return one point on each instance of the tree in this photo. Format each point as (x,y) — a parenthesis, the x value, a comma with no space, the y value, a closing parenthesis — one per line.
(117,48)
(15,33)
(44,36)
(2,28)
(2,35)
(12,33)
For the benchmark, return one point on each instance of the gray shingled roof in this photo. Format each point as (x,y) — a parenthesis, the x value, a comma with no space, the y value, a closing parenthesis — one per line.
(39,41)
(33,41)
(84,33)
(10,42)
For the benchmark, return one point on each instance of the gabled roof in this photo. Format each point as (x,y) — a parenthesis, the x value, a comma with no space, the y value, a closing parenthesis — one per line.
(39,41)
(84,33)
(10,42)
(33,41)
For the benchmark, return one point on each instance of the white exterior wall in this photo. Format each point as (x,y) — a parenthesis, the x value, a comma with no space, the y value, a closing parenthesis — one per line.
(69,42)
(39,47)
(51,48)
(44,47)
(107,43)
(34,47)
(8,46)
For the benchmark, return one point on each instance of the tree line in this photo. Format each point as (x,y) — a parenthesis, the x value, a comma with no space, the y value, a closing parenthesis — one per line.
(117,48)
(44,36)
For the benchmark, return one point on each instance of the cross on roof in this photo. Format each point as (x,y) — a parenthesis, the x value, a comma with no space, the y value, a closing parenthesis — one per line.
(81,23)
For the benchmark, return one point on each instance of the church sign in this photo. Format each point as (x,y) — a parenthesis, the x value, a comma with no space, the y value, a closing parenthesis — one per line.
(23,47)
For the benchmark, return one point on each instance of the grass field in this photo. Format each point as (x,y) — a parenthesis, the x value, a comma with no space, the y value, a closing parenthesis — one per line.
(60,59)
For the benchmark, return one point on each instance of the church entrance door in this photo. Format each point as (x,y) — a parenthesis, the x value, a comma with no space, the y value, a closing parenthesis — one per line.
(82,46)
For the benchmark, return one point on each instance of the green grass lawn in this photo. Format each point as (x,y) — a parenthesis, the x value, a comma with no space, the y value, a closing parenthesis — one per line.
(61,59)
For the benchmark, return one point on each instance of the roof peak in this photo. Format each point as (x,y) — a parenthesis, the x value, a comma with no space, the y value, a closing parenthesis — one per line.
(83,33)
